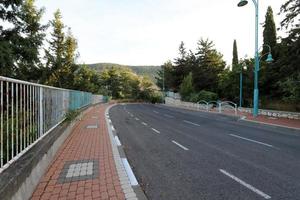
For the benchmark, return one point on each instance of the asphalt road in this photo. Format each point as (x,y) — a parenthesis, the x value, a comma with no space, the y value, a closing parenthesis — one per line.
(187,155)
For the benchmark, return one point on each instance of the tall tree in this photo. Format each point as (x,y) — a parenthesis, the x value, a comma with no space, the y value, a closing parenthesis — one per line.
(179,67)
(164,76)
(210,65)
(33,36)
(290,52)
(235,58)
(57,65)
(9,36)
(269,72)
(269,34)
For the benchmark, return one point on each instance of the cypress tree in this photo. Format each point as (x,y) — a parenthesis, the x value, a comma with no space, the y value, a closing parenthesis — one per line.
(235,59)
(269,33)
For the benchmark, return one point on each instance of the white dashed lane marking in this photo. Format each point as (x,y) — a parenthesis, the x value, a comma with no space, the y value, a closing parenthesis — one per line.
(156,131)
(145,124)
(188,122)
(181,146)
(257,142)
(250,187)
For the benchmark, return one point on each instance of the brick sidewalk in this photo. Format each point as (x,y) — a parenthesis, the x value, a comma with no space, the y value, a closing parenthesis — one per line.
(84,166)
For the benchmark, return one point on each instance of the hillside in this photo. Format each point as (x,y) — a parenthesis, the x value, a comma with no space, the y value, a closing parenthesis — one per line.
(140,70)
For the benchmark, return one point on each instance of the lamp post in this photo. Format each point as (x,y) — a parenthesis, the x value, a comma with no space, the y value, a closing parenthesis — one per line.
(164,80)
(257,60)
(256,69)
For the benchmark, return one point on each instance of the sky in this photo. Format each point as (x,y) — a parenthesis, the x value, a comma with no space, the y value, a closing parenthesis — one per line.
(148,32)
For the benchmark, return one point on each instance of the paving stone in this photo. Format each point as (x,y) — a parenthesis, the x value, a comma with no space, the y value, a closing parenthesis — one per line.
(77,162)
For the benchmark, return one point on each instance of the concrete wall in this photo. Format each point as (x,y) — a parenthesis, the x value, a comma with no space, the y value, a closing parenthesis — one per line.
(274,113)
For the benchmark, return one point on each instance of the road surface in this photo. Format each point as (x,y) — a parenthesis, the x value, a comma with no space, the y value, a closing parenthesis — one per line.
(187,155)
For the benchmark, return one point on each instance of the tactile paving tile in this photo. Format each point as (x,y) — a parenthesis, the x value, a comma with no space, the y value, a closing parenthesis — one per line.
(79,170)
(92,126)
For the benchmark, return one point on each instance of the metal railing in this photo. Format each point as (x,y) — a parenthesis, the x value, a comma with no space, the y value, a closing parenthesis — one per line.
(29,111)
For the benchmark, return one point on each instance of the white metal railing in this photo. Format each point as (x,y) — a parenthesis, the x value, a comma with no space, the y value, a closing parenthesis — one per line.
(29,111)
(204,105)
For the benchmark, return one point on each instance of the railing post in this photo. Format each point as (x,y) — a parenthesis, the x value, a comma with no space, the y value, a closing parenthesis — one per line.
(41,112)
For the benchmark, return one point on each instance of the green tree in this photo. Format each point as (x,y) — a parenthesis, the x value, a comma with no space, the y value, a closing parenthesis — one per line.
(186,87)
(179,67)
(269,34)
(61,55)
(165,74)
(289,55)
(210,64)
(29,63)
(235,58)
(9,36)
(55,54)
(86,79)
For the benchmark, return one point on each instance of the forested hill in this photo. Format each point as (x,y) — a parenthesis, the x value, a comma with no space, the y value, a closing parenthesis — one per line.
(140,70)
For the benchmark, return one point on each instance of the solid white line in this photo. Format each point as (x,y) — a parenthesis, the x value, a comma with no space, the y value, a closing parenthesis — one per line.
(129,172)
(155,130)
(137,119)
(109,121)
(181,146)
(144,123)
(250,187)
(118,142)
(113,128)
(155,112)
(170,116)
(188,122)
(268,145)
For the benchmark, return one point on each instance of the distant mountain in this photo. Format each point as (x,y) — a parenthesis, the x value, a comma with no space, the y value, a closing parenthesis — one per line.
(140,70)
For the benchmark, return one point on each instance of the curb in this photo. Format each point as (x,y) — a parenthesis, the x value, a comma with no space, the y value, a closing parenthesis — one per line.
(270,124)
(129,184)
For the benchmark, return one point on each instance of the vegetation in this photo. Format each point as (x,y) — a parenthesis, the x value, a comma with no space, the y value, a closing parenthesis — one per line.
(149,71)
(279,82)
(71,115)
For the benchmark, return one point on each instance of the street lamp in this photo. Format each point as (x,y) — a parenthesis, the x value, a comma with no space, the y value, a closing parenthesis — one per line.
(257,59)
(256,69)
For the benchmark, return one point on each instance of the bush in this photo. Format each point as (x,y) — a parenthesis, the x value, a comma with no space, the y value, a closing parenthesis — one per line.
(71,115)
(186,87)
(207,96)
(203,95)
(156,98)
(194,97)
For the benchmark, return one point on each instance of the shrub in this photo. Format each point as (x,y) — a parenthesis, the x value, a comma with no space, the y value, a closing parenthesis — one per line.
(186,87)
(203,95)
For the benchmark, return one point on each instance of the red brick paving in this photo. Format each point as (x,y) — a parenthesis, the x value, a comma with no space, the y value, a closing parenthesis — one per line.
(84,144)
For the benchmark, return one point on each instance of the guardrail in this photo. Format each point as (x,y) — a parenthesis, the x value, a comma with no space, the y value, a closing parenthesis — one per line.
(228,104)
(208,106)
(29,111)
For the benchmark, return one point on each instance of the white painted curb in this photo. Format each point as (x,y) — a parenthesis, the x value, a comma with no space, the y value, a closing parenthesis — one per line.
(125,176)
